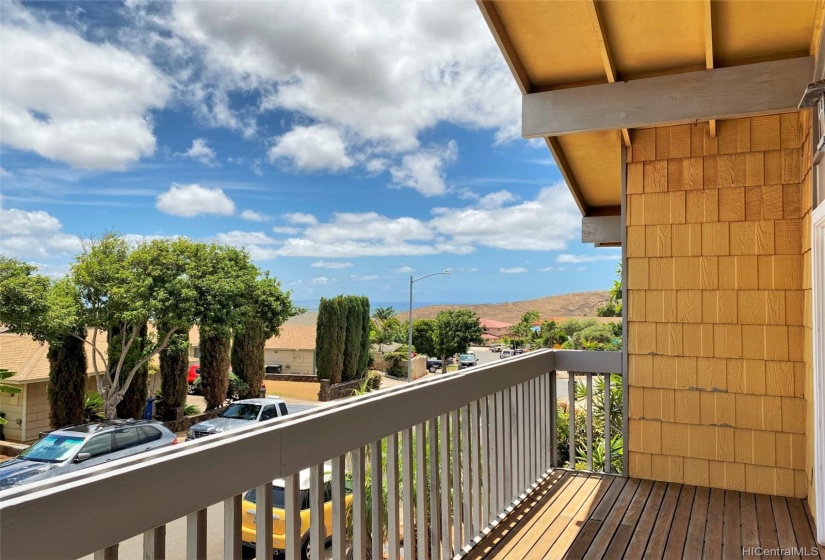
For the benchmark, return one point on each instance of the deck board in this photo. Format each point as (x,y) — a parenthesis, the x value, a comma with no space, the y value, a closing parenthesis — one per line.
(580,515)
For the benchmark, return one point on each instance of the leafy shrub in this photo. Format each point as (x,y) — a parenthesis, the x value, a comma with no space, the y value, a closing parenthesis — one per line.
(191,410)
(374,381)
(93,408)
(236,387)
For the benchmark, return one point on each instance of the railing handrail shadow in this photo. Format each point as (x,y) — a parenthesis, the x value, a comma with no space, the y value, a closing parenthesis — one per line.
(92,509)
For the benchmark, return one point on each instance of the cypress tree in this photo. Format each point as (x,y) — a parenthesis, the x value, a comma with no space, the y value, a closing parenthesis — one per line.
(366,321)
(248,355)
(174,370)
(67,381)
(352,343)
(134,399)
(323,348)
(339,336)
(215,364)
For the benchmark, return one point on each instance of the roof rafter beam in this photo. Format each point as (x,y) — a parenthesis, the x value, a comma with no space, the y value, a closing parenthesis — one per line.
(597,20)
(488,10)
(724,93)
(709,54)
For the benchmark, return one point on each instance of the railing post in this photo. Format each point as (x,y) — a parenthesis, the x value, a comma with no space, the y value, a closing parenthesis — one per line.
(317,530)
(359,505)
(589,404)
(571,410)
(292,510)
(553,419)
(154,543)
(393,519)
(456,486)
(196,535)
(608,449)
(435,526)
(339,509)
(408,496)
(232,527)
(421,491)
(108,553)
(491,463)
(377,499)
(444,450)
(263,520)
(466,477)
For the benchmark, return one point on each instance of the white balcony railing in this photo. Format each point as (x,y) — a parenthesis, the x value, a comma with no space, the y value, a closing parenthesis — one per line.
(472,445)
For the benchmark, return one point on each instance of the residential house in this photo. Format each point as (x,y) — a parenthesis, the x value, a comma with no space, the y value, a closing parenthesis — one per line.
(493,330)
(27,412)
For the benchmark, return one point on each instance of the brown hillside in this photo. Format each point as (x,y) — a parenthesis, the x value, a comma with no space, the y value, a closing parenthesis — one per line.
(581,304)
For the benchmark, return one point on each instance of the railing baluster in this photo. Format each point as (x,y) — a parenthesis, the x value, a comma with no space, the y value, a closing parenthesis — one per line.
(435,526)
(377,507)
(466,477)
(108,553)
(492,460)
(484,498)
(455,451)
(393,533)
(154,543)
(359,505)
(232,527)
(519,422)
(506,453)
(339,510)
(589,401)
(421,491)
(608,462)
(196,535)
(263,520)
(531,431)
(475,470)
(408,499)
(444,450)
(541,422)
(292,510)
(515,448)
(571,409)
(317,530)
(553,418)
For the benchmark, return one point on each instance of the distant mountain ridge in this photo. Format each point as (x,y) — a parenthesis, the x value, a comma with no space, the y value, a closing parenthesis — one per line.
(580,304)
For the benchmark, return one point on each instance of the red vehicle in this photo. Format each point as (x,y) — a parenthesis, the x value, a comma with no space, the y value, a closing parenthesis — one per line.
(194,372)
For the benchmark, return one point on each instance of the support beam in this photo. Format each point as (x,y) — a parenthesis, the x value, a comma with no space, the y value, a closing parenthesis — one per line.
(488,10)
(709,54)
(597,20)
(602,229)
(566,172)
(724,93)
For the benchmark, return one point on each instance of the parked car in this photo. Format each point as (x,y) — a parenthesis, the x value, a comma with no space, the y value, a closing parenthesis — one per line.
(82,446)
(505,354)
(467,360)
(250,512)
(239,414)
(495,348)
(518,351)
(194,372)
(434,364)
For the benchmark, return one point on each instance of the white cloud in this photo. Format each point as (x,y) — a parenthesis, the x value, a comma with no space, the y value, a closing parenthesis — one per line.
(366,278)
(244,238)
(553,269)
(194,200)
(201,153)
(312,148)
(368,226)
(252,216)
(5,173)
(547,223)
(514,270)
(496,199)
(320,281)
(35,235)
(566,258)
(403,270)
(70,100)
(333,265)
(423,171)
(300,218)
(286,230)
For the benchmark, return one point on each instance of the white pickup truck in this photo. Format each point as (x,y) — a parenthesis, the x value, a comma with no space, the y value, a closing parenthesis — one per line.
(238,414)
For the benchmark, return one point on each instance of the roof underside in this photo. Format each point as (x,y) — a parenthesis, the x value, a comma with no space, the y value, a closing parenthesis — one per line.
(562,44)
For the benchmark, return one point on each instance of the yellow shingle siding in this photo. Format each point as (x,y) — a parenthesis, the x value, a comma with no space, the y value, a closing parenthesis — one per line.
(717,309)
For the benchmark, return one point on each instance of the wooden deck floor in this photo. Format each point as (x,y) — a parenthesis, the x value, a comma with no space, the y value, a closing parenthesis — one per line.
(580,515)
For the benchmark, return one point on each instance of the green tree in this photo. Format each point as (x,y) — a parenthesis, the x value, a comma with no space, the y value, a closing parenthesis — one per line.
(214,366)
(366,322)
(267,307)
(33,305)
(120,290)
(383,313)
(386,332)
(354,333)
(523,329)
(330,339)
(8,389)
(455,331)
(424,337)
(613,308)
(134,399)
(174,370)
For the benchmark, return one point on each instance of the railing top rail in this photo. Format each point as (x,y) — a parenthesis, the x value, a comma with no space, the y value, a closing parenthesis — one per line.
(136,494)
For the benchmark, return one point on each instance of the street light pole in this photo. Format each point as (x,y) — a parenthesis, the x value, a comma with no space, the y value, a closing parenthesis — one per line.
(409,338)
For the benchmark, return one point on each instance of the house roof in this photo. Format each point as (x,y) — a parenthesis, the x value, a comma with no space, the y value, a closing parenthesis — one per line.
(493,324)
(291,337)
(27,357)
(568,44)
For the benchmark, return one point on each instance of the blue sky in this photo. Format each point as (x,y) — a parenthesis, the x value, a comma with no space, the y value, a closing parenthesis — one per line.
(345,145)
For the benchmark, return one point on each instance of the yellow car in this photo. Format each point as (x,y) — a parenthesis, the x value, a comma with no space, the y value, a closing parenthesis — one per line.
(279,515)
